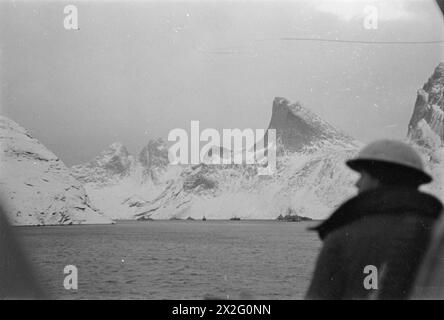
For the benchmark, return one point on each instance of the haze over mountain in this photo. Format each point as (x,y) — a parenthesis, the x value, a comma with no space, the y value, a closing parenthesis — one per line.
(311,178)
(137,69)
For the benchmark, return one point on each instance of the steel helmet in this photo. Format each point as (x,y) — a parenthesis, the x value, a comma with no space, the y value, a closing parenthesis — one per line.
(393,154)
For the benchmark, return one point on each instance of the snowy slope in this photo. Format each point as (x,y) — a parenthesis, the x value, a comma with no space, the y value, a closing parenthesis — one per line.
(36,186)
(426,128)
(426,125)
(117,182)
(306,183)
(311,177)
(298,127)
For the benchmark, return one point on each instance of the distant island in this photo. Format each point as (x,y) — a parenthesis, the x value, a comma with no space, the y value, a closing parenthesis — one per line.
(292,217)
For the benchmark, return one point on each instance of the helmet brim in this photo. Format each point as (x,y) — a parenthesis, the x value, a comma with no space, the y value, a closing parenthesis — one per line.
(360,165)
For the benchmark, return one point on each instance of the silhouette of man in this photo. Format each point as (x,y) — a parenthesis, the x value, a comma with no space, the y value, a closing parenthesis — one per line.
(385,228)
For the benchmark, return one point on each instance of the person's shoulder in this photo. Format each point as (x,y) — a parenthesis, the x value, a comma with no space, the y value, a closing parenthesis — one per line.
(338,237)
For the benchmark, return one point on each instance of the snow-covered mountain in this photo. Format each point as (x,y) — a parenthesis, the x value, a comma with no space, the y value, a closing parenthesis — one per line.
(36,187)
(310,179)
(426,128)
(297,127)
(118,183)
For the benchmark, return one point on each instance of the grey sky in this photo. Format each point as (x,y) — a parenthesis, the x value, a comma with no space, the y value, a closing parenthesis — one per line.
(134,71)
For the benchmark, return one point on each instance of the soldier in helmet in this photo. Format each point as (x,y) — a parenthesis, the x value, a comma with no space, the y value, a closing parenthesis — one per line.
(374,243)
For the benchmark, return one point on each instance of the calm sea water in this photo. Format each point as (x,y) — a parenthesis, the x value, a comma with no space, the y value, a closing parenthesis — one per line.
(176,259)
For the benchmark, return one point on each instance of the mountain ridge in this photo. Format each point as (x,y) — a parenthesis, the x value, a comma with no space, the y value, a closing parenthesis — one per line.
(37,188)
(311,178)
(426,126)
(297,126)
(179,191)
(425,131)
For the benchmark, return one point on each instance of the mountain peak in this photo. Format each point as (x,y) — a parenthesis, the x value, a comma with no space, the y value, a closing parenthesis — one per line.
(113,161)
(297,126)
(115,158)
(118,147)
(155,153)
(16,140)
(37,187)
(154,158)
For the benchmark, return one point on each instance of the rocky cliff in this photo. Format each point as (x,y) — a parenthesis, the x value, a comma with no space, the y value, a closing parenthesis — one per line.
(310,179)
(36,187)
(426,128)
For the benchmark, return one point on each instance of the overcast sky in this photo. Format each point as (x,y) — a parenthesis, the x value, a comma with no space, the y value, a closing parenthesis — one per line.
(134,71)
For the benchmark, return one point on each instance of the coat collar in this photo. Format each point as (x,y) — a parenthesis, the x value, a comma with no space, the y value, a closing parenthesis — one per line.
(387,200)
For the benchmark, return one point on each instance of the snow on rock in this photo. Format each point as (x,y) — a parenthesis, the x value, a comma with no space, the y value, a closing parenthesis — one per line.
(426,125)
(311,178)
(298,127)
(154,159)
(117,183)
(111,164)
(36,186)
(310,184)
(426,129)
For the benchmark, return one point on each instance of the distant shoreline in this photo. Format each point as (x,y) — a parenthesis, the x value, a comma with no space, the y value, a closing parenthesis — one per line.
(120,221)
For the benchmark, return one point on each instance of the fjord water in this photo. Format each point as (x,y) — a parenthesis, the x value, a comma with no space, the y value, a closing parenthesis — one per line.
(176,259)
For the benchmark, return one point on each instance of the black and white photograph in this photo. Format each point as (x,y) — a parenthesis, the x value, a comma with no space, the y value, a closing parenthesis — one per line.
(221,154)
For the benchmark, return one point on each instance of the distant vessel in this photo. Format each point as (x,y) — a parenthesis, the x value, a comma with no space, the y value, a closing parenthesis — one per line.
(145,219)
(204,219)
(292,218)
(235,218)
